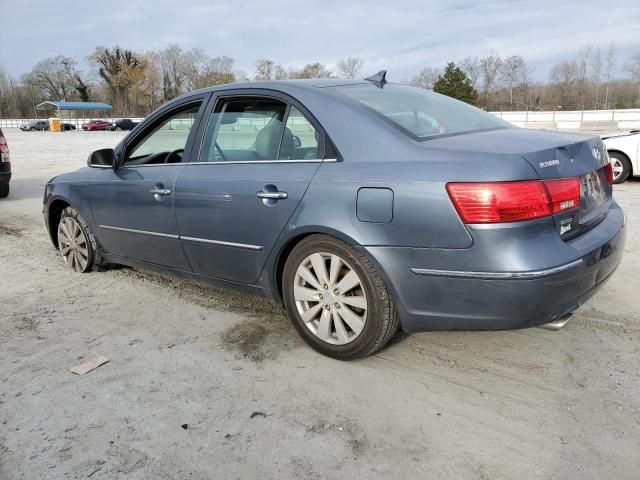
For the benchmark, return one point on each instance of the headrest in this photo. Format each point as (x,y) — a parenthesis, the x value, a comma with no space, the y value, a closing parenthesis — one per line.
(268,139)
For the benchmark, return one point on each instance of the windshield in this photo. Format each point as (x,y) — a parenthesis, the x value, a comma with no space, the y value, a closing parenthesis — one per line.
(419,113)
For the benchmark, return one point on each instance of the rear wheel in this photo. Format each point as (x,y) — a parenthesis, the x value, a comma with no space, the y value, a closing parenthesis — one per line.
(336,299)
(4,190)
(621,167)
(76,242)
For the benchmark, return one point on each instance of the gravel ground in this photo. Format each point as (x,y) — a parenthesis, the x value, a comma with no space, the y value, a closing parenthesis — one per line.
(204,383)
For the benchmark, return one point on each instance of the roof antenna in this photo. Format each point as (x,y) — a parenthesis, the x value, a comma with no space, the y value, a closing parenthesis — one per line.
(379,78)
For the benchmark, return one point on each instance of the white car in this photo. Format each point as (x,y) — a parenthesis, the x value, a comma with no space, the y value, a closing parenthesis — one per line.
(624,150)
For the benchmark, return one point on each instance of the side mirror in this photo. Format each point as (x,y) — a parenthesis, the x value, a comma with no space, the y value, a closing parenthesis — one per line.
(104,158)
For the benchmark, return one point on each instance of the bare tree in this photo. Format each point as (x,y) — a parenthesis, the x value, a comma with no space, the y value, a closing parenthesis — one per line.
(264,69)
(596,74)
(55,77)
(471,67)
(426,78)
(609,70)
(489,67)
(311,70)
(349,67)
(513,73)
(122,71)
(633,67)
(217,70)
(280,73)
(583,60)
(563,78)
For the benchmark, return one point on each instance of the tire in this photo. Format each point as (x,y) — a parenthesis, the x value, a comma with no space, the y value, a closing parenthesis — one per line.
(76,242)
(334,316)
(622,164)
(4,190)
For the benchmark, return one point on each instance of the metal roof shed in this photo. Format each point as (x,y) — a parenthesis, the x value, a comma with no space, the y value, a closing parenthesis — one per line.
(80,106)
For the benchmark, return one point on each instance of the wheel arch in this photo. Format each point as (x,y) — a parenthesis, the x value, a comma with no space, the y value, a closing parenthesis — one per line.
(54,213)
(294,237)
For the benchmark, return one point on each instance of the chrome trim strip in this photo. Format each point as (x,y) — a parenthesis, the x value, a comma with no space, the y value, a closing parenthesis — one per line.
(249,162)
(220,242)
(179,164)
(532,274)
(142,232)
(182,164)
(178,237)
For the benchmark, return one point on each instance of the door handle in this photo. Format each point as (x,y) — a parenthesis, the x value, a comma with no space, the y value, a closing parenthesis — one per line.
(273,195)
(160,191)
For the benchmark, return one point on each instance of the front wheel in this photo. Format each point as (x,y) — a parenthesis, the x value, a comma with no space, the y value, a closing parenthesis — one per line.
(621,167)
(336,299)
(76,243)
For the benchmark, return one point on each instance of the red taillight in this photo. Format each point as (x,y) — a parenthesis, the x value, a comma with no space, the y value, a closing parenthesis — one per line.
(4,150)
(496,202)
(564,194)
(608,169)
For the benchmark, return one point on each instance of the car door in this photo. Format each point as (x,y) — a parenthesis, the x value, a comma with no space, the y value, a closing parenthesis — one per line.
(258,155)
(134,205)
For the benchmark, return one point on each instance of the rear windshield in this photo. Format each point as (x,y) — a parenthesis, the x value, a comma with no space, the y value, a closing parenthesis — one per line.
(422,114)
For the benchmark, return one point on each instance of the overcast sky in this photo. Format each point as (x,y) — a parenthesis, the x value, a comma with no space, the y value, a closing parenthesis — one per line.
(402,35)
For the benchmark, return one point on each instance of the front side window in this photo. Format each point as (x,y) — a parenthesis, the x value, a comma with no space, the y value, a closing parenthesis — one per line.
(420,113)
(166,143)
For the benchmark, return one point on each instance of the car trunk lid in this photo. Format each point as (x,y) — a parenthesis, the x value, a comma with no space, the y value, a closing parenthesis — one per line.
(552,155)
(585,159)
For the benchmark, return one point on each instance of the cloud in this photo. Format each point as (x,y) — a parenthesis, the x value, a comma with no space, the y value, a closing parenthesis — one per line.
(402,36)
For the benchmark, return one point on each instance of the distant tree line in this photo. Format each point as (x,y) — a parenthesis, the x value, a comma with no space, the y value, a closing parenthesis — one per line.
(136,83)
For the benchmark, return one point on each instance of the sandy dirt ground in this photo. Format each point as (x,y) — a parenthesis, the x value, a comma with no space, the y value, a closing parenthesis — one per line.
(208,384)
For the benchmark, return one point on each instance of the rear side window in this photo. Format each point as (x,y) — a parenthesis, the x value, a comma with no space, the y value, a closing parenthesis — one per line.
(244,130)
(259,129)
(304,138)
(419,113)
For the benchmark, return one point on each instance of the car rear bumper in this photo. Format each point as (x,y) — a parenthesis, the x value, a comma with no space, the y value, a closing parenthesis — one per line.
(458,299)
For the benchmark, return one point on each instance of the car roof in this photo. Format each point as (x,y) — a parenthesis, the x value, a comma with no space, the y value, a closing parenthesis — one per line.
(285,86)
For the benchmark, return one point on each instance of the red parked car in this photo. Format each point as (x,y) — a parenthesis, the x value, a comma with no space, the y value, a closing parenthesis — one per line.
(94,125)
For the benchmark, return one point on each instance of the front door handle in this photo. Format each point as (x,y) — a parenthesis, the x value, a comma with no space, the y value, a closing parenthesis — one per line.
(160,191)
(272,195)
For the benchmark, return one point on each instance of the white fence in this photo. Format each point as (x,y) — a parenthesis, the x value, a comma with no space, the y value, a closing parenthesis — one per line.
(575,120)
(594,120)
(77,121)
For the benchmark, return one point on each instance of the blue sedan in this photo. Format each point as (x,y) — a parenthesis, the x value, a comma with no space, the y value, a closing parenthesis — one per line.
(363,207)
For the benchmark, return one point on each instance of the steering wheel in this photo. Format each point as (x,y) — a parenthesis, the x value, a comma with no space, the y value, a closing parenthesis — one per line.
(217,147)
(177,153)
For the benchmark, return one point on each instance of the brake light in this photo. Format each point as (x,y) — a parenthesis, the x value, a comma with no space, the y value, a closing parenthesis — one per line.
(608,169)
(497,202)
(4,150)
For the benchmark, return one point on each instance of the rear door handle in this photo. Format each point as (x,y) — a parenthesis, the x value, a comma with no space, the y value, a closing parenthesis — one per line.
(160,191)
(273,195)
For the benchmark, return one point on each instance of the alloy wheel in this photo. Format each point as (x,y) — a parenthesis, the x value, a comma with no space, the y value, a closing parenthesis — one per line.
(617,166)
(330,298)
(73,244)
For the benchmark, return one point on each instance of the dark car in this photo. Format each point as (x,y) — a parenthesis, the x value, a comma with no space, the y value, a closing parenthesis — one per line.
(362,206)
(41,125)
(95,125)
(5,166)
(65,127)
(123,124)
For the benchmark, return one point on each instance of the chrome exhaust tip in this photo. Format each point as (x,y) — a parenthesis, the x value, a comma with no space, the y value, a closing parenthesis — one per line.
(557,324)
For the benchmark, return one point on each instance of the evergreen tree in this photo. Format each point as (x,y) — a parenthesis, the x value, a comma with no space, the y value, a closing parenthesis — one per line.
(455,83)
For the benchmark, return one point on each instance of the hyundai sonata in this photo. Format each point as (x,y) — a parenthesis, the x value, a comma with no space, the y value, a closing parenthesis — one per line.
(362,206)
